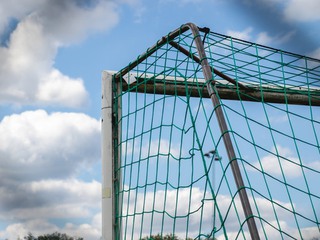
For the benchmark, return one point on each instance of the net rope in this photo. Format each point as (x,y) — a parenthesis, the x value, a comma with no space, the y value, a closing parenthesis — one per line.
(173,176)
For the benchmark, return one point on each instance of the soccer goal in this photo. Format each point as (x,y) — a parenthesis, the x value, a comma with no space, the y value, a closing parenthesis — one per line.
(205,136)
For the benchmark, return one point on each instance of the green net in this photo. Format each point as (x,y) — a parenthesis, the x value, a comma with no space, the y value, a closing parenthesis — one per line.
(173,173)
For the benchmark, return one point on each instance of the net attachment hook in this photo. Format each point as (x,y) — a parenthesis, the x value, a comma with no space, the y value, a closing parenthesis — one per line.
(206,31)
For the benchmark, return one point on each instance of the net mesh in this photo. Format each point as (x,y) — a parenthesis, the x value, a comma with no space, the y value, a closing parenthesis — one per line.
(173,175)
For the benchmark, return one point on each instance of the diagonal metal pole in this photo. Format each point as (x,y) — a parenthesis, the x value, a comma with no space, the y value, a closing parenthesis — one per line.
(206,68)
(198,60)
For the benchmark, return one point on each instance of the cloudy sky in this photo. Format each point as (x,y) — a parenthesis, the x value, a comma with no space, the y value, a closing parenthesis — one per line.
(52,53)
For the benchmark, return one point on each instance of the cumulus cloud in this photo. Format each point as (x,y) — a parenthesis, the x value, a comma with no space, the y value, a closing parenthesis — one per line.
(55,88)
(138,6)
(273,164)
(244,35)
(37,151)
(19,230)
(196,205)
(69,199)
(302,10)
(40,155)
(36,145)
(154,148)
(315,53)
(27,72)
(39,226)
(263,38)
(162,147)
(285,161)
(166,201)
(291,10)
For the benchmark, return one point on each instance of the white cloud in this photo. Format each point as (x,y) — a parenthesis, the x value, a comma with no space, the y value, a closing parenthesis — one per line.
(62,199)
(263,38)
(278,119)
(164,147)
(244,35)
(69,198)
(27,73)
(151,149)
(166,200)
(284,38)
(302,10)
(88,231)
(55,89)
(19,230)
(289,163)
(272,233)
(137,6)
(314,165)
(17,10)
(189,204)
(36,145)
(315,53)
(294,10)
(273,165)
(40,154)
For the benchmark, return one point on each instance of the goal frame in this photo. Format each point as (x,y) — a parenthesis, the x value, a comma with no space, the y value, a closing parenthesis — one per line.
(211,87)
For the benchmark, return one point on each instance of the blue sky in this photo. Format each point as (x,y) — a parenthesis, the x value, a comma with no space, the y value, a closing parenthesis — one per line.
(52,54)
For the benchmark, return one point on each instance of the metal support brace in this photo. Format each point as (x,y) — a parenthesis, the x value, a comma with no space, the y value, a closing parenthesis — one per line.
(226,137)
(198,60)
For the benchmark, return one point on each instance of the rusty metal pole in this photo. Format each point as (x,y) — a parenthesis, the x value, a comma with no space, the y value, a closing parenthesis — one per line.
(224,130)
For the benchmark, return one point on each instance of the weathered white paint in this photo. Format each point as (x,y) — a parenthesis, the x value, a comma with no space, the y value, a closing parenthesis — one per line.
(107,156)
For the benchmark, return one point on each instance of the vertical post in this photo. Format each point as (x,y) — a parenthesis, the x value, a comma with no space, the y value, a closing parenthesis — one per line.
(226,137)
(107,159)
